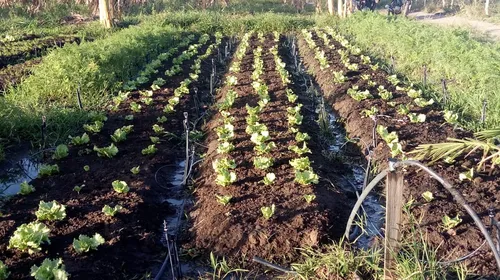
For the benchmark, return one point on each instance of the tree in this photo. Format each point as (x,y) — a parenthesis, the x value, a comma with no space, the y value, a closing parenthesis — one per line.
(105,16)
(331,8)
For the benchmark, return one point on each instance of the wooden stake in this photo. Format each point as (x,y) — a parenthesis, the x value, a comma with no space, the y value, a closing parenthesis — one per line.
(394,204)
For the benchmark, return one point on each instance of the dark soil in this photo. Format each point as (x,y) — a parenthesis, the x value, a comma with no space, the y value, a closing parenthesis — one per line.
(13,74)
(238,230)
(20,51)
(481,193)
(133,246)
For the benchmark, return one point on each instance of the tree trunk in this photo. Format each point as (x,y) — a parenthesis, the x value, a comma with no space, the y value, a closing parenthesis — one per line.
(339,8)
(104,14)
(331,9)
(487,7)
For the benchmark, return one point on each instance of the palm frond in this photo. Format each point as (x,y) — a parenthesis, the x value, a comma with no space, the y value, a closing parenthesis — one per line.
(488,134)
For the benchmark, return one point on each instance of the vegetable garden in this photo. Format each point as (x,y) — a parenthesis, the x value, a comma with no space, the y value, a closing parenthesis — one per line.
(247,119)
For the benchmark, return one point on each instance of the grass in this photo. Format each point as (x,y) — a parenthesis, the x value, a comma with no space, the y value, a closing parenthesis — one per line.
(471,67)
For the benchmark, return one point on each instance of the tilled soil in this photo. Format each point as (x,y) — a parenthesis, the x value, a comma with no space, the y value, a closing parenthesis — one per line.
(238,230)
(133,246)
(13,74)
(481,193)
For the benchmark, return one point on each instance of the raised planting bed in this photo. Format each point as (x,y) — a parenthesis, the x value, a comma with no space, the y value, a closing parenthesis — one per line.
(350,82)
(131,247)
(13,74)
(250,200)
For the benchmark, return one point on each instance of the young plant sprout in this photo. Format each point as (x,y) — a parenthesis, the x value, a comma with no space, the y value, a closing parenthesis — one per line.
(301,164)
(120,186)
(416,118)
(450,117)
(269,179)
(129,117)
(467,175)
(86,168)
(135,170)
(450,223)
(421,102)
(292,98)
(154,139)
(263,163)
(135,107)
(370,113)
(50,211)
(359,95)
(300,151)
(225,177)
(384,93)
(111,211)
(268,211)
(161,119)
(84,243)
(94,128)
(224,199)
(309,198)
(306,177)
(61,152)
(47,170)
(404,109)
(150,150)
(26,188)
(80,140)
(428,196)
(51,269)
(77,189)
(225,147)
(158,129)
(108,152)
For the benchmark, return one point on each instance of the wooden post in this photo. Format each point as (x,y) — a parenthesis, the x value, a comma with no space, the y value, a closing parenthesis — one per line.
(394,211)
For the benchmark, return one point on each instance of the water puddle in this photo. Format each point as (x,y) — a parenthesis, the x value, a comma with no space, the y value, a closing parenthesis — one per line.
(18,168)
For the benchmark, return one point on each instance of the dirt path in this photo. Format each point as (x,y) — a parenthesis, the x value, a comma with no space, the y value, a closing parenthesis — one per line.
(490,29)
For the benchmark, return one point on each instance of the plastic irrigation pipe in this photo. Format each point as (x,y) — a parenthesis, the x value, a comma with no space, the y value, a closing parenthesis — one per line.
(456,195)
(273,266)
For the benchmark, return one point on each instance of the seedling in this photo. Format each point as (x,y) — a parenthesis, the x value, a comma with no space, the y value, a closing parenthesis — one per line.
(261,162)
(77,189)
(161,119)
(129,117)
(267,211)
(135,107)
(94,128)
(301,164)
(222,164)
(309,198)
(26,188)
(47,170)
(80,140)
(403,109)
(119,135)
(414,93)
(292,98)
(369,113)
(50,211)
(393,80)
(86,168)
(269,179)
(29,237)
(108,152)
(388,137)
(449,223)
(150,150)
(51,269)
(421,102)
(224,199)
(154,139)
(264,148)
(135,170)
(158,129)
(300,151)
(225,132)
(120,186)
(4,274)
(467,175)
(384,93)
(111,211)
(225,177)
(359,95)
(450,117)
(301,137)
(428,196)
(147,100)
(231,81)
(416,118)
(396,149)
(84,243)
(306,177)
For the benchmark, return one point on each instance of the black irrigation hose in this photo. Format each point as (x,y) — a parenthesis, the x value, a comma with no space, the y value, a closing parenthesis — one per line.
(456,195)
(273,266)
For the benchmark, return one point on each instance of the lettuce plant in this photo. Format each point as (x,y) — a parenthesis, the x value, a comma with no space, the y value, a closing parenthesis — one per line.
(61,152)
(301,137)
(292,98)
(108,152)
(51,269)
(135,170)
(84,243)
(225,132)
(449,223)
(161,119)
(26,188)
(150,150)
(450,117)
(469,175)
(269,179)
(47,170)
(268,211)
(78,189)
(111,211)
(306,177)
(225,177)
(223,199)
(302,163)
(421,102)
(80,140)
(300,151)
(263,163)
(223,163)
(120,186)
(416,118)
(404,109)
(94,128)
(384,93)
(50,211)
(4,274)
(29,237)
(359,95)
(388,137)
(428,196)
(119,135)
(225,147)
(129,117)
(135,107)
(309,198)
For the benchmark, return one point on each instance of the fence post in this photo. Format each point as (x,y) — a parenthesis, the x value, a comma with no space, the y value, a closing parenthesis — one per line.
(394,204)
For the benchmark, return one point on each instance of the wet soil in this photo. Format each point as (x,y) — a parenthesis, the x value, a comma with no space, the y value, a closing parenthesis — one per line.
(481,193)
(133,246)
(238,231)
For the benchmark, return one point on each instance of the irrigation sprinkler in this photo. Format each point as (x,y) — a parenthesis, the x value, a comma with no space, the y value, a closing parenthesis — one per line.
(196,101)
(44,126)
(186,130)
(483,111)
